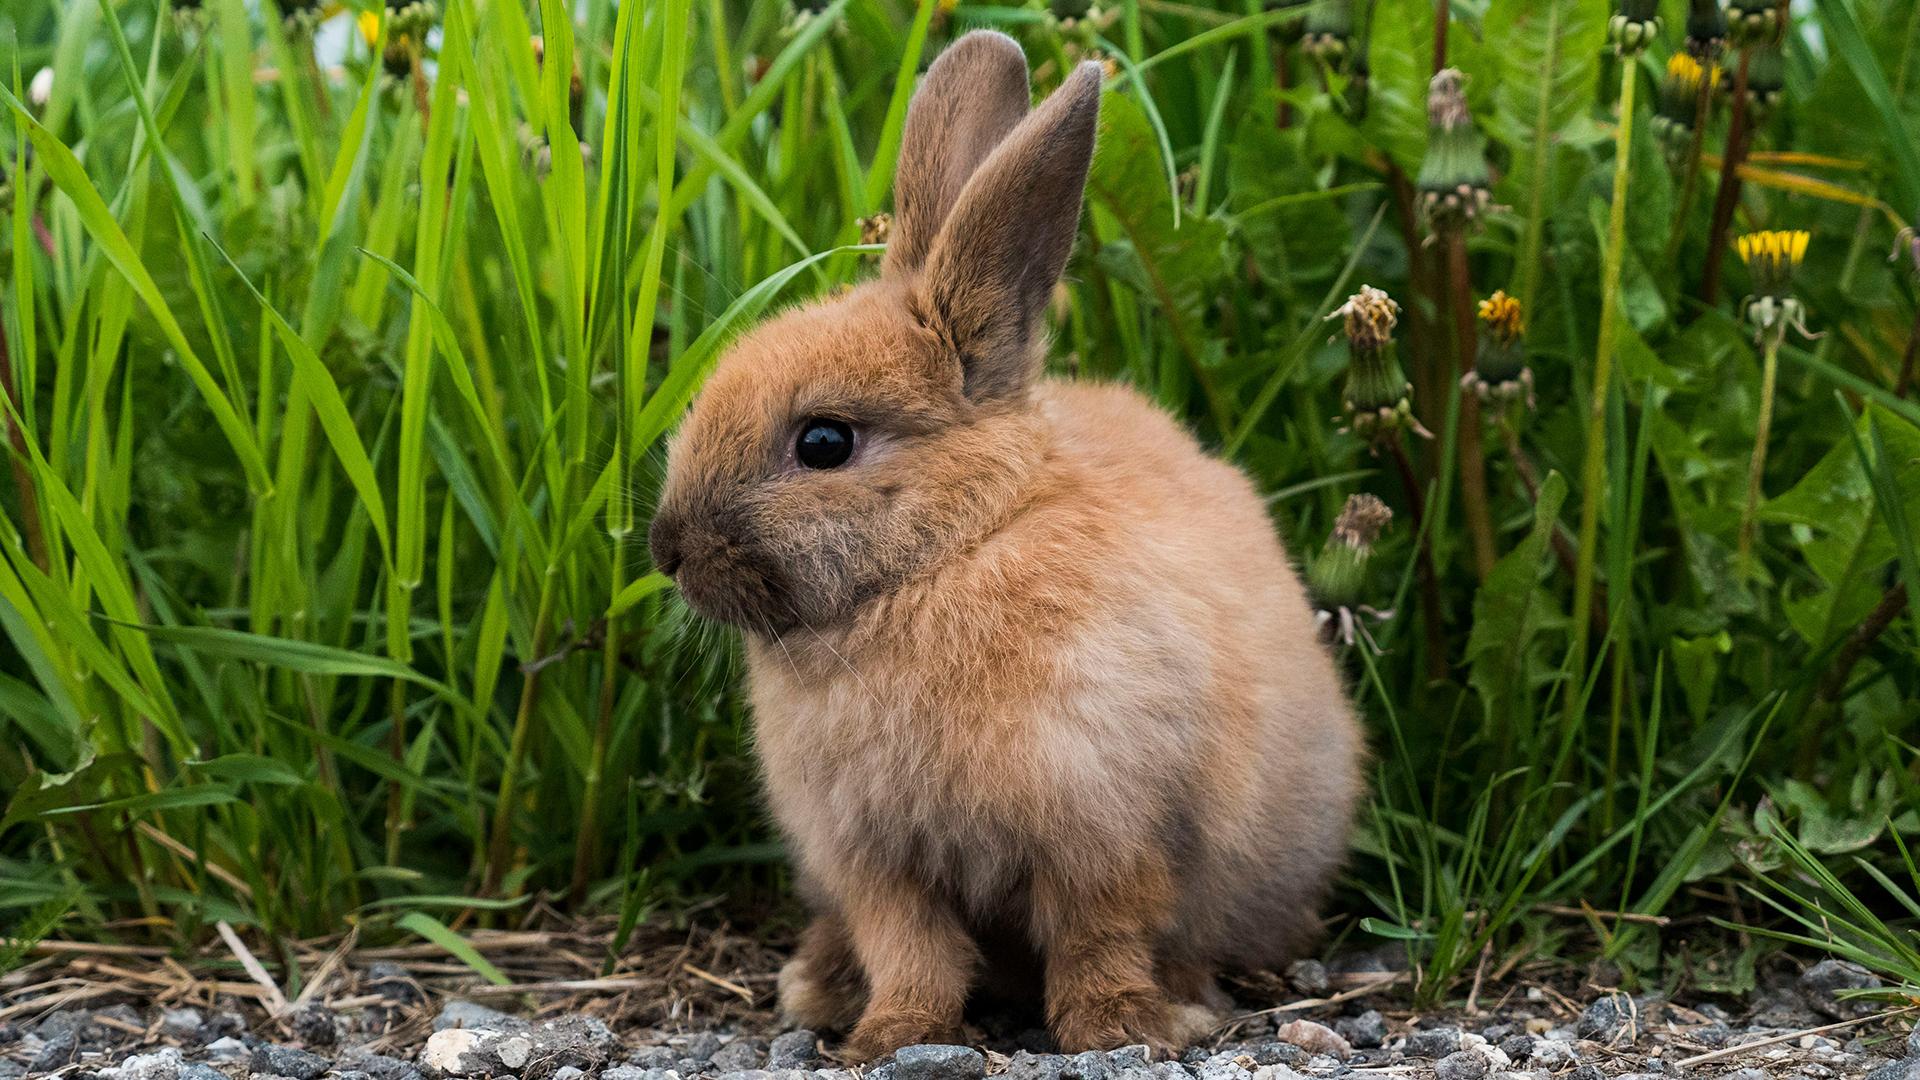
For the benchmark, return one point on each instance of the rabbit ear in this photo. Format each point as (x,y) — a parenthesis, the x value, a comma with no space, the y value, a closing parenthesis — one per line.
(972,96)
(1002,248)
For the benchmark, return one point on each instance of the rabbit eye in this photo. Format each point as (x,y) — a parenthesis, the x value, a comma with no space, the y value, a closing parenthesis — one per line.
(824,443)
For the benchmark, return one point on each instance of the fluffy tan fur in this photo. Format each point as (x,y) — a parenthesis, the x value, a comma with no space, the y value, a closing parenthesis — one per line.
(1035,687)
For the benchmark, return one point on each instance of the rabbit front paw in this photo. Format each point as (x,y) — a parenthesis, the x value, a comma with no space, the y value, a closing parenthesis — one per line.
(1109,1021)
(881,1031)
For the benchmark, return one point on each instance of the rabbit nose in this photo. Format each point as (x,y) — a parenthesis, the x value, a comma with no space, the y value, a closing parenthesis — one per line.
(663,542)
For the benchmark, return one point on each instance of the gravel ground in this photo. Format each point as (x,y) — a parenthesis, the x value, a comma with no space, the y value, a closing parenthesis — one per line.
(393,1030)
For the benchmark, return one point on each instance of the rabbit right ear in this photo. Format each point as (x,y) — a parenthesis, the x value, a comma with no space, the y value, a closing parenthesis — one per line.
(972,96)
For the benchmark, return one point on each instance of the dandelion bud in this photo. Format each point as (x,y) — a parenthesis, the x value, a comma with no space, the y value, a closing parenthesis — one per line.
(1706,29)
(1378,398)
(1454,185)
(1772,258)
(411,17)
(1750,22)
(1635,24)
(1338,577)
(1328,36)
(1679,104)
(1766,79)
(1500,373)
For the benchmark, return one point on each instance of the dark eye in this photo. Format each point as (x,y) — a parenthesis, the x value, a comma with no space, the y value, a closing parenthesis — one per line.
(824,444)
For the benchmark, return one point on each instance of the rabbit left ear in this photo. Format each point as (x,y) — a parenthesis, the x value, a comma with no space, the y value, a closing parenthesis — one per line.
(1002,248)
(972,96)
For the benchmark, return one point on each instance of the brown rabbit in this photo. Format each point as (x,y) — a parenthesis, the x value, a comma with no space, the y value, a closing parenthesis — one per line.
(1031,675)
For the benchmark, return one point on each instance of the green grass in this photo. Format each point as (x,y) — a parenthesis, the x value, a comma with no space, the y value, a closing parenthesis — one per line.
(323,592)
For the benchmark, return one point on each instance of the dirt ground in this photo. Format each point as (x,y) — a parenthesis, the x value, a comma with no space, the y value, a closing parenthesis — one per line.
(691,1004)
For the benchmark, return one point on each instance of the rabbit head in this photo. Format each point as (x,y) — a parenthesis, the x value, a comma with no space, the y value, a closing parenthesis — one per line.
(846,445)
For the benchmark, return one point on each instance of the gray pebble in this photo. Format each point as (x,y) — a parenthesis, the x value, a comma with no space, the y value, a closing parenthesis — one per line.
(1913,1041)
(1518,1048)
(1904,1069)
(56,1050)
(1274,1052)
(1587,1072)
(1610,1019)
(11,1070)
(198,1071)
(634,1072)
(1748,1073)
(701,1047)
(1128,1057)
(653,1057)
(1434,1043)
(938,1063)
(1823,982)
(467,1014)
(1366,1031)
(746,1074)
(793,1050)
(1090,1065)
(1027,1065)
(315,1025)
(568,1072)
(161,1064)
(1226,1067)
(189,1025)
(1309,977)
(1460,1065)
(740,1055)
(287,1061)
(379,1066)
(226,1048)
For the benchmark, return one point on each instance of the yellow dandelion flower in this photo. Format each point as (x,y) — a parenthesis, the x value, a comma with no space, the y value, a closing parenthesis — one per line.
(1772,256)
(1684,73)
(1503,314)
(369,27)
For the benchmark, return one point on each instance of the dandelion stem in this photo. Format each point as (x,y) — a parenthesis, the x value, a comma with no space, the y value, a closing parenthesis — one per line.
(1769,375)
(1727,197)
(1690,181)
(1473,460)
(1595,471)
(1430,613)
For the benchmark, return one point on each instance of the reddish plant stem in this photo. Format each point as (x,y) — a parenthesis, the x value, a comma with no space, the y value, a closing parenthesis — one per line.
(1862,639)
(1428,390)
(1282,81)
(30,523)
(1560,538)
(1727,197)
(1473,460)
(1442,15)
(1430,613)
(1907,362)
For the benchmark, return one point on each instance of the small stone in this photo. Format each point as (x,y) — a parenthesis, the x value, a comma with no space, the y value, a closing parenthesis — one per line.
(746,1074)
(227,1048)
(379,1066)
(939,1063)
(793,1050)
(513,1052)
(740,1055)
(315,1025)
(198,1071)
(1129,1057)
(1823,983)
(1552,1053)
(1225,1067)
(1027,1065)
(1904,1069)
(467,1014)
(1460,1065)
(1913,1041)
(568,1072)
(1275,1053)
(1309,977)
(1518,1048)
(1611,1019)
(161,1064)
(1433,1043)
(635,1072)
(288,1061)
(1314,1038)
(1587,1072)
(1091,1065)
(1369,1029)
(1748,1073)
(1275,1072)
(9,1034)
(55,1051)
(452,1050)
(189,1025)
